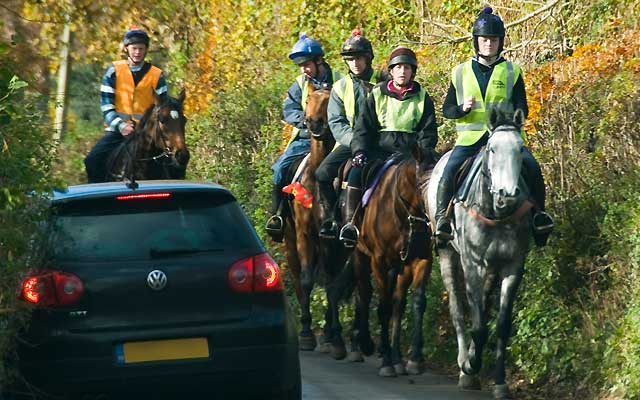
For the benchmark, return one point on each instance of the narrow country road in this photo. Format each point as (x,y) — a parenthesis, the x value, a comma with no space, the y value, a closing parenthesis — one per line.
(324,378)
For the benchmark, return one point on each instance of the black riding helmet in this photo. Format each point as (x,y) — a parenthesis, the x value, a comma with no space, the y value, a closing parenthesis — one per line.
(488,24)
(402,55)
(356,45)
(135,36)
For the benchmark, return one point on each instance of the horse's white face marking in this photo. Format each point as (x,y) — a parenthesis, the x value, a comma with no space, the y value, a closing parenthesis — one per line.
(505,160)
(174,114)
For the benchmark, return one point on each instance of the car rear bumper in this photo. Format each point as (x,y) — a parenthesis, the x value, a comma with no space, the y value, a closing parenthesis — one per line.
(229,369)
(241,357)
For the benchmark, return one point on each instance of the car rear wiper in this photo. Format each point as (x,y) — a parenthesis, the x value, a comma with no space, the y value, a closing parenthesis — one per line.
(155,253)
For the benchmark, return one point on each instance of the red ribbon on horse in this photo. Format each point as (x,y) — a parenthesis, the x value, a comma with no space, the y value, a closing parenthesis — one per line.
(300,194)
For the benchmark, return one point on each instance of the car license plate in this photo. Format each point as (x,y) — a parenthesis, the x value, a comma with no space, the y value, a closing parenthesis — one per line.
(162,350)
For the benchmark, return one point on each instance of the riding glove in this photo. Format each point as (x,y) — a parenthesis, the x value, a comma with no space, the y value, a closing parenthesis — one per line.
(359,160)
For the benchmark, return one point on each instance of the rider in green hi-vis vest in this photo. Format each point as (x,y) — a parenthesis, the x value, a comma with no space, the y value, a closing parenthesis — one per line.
(307,53)
(347,100)
(398,114)
(487,80)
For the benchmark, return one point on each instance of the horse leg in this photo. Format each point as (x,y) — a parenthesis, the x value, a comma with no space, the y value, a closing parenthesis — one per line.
(333,327)
(479,333)
(307,339)
(385,305)
(421,269)
(361,342)
(399,303)
(508,289)
(450,271)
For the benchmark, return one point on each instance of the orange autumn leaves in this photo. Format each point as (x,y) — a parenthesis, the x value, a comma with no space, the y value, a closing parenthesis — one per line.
(588,63)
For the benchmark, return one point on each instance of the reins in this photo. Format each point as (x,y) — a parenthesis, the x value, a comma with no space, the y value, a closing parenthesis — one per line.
(417,224)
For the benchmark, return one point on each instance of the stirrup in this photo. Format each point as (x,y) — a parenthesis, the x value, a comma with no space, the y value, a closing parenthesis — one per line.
(542,222)
(275,225)
(443,234)
(328,230)
(349,229)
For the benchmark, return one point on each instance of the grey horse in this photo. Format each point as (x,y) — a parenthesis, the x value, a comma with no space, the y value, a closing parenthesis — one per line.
(492,230)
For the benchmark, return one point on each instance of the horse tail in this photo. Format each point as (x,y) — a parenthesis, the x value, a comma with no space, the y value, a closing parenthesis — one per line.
(344,283)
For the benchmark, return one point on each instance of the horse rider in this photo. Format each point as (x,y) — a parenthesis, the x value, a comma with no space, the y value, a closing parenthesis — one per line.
(347,99)
(486,79)
(125,94)
(307,53)
(398,114)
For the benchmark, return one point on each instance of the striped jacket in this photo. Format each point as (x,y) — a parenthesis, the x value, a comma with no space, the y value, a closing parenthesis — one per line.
(112,121)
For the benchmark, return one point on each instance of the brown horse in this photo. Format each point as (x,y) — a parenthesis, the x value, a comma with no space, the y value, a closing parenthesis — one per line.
(156,149)
(395,247)
(309,258)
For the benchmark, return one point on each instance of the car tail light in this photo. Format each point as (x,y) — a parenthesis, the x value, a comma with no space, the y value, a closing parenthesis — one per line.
(255,274)
(51,289)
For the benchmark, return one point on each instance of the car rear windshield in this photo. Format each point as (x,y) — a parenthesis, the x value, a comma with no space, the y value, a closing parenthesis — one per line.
(180,224)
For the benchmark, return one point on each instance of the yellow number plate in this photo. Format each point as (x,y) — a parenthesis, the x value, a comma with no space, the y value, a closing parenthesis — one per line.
(164,350)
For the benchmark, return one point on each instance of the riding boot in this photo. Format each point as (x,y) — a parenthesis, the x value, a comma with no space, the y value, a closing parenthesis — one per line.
(349,232)
(329,227)
(443,233)
(275,224)
(542,222)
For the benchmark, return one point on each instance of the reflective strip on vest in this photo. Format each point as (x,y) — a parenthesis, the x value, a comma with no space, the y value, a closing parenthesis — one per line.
(472,126)
(398,115)
(345,90)
(304,86)
(133,100)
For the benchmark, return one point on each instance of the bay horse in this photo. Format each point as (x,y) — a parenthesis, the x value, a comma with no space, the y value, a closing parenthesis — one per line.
(395,247)
(156,149)
(491,242)
(309,258)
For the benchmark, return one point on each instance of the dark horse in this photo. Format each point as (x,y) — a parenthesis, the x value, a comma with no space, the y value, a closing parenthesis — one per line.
(492,230)
(394,246)
(308,257)
(156,149)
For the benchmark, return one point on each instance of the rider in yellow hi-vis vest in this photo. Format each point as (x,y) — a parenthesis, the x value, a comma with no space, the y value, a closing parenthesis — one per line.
(347,100)
(397,114)
(307,53)
(126,92)
(486,81)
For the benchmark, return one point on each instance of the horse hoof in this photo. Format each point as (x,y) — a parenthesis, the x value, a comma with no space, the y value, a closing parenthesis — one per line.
(307,343)
(387,372)
(501,392)
(400,369)
(414,368)
(468,382)
(324,348)
(355,356)
(338,352)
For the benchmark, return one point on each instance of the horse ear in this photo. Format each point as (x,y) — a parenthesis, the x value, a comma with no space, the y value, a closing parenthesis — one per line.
(518,117)
(181,96)
(493,118)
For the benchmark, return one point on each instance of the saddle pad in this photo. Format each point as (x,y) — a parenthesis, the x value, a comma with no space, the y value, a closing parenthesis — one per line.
(465,187)
(305,160)
(367,194)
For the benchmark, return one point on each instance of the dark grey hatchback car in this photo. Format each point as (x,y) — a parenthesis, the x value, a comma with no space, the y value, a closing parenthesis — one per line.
(165,289)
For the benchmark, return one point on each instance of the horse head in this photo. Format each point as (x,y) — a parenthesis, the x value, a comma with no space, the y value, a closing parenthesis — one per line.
(503,159)
(315,113)
(168,128)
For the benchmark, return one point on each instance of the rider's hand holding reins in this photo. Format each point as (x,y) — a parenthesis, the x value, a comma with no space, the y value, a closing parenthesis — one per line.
(127,130)
(359,160)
